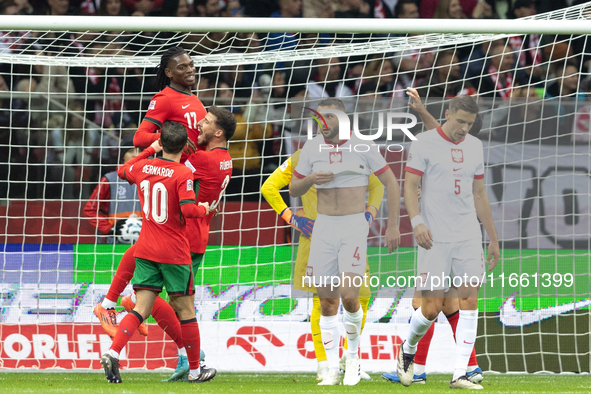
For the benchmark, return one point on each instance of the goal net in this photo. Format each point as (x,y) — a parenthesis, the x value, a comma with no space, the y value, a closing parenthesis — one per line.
(70,97)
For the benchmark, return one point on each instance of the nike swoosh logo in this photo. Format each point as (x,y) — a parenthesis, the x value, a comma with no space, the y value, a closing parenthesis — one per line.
(355,265)
(457,169)
(511,317)
(468,343)
(185,106)
(326,343)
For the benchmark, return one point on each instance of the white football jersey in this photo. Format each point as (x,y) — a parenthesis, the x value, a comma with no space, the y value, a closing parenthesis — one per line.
(351,161)
(448,169)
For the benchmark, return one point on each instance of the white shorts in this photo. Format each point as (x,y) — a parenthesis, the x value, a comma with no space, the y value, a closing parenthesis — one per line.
(450,264)
(338,245)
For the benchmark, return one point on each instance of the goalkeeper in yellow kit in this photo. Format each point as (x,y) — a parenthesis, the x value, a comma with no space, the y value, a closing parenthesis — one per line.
(304,223)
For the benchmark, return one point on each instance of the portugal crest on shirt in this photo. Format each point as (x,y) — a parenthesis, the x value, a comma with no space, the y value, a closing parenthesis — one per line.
(335,157)
(457,155)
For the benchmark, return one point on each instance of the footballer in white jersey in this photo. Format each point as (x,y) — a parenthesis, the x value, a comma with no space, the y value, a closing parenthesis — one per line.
(338,249)
(449,164)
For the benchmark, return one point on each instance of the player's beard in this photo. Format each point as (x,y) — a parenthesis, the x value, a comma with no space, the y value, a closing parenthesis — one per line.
(332,133)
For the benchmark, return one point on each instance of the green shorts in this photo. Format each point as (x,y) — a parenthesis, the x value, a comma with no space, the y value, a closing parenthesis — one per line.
(149,275)
(197,259)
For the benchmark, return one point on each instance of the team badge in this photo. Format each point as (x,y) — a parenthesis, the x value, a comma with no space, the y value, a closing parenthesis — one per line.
(189,185)
(152,105)
(309,271)
(457,155)
(335,157)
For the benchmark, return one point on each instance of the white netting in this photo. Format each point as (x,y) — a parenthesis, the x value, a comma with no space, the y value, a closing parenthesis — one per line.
(71,97)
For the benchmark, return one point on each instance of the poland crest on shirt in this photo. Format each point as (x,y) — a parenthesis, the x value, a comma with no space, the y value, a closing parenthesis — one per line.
(448,170)
(352,167)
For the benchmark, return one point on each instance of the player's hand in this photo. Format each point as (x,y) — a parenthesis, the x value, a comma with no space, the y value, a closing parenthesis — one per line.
(419,195)
(216,212)
(322,177)
(157,145)
(392,240)
(190,147)
(370,214)
(494,254)
(423,236)
(415,102)
(300,223)
(206,205)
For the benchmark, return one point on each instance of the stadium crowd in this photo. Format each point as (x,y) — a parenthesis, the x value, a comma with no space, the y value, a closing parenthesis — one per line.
(64,124)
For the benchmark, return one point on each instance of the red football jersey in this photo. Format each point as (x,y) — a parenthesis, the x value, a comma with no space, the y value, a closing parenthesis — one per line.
(212,171)
(163,186)
(177,106)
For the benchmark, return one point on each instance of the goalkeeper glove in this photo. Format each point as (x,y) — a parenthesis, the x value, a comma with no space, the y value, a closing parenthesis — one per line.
(116,229)
(301,223)
(370,214)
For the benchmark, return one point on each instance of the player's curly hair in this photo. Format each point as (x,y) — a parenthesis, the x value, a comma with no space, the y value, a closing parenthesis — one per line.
(161,79)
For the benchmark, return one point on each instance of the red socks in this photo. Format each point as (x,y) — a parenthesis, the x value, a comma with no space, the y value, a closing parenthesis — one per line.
(453,322)
(423,346)
(190,330)
(126,328)
(123,275)
(168,321)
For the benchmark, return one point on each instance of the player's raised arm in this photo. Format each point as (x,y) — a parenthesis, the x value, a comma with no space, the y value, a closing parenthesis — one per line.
(393,199)
(482,205)
(123,170)
(416,105)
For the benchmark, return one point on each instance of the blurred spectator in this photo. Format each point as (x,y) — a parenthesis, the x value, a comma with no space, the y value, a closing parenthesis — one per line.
(501,76)
(114,200)
(112,8)
(9,7)
(428,7)
(142,7)
(285,41)
(318,9)
(449,9)
(245,147)
(478,60)
(446,80)
(232,9)
(72,153)
(260,8)
(379,79)
(207,8)
(406,9)
(566,82)
(522,9)
(353,9)
(327,80)
(56,7)
(53,81)
(24,7)
(485,9)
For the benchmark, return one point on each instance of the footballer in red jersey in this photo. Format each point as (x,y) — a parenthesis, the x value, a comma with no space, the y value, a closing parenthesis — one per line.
(176,79)
(212,170)
(162,253)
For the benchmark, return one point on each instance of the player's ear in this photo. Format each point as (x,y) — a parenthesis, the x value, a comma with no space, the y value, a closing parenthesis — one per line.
(168,72)
(447,114)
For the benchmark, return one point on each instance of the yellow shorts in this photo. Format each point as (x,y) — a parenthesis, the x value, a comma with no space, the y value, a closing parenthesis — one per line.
(301,263)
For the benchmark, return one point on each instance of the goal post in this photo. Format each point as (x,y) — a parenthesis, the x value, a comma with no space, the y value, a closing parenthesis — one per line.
(76,85)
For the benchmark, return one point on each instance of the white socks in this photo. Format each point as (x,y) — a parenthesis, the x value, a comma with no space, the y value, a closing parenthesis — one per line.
(114,354)
(133,298)
(195,372)
(465,338)
(108,304)
(331,338)
(352,323)
(419,325)
(182,351)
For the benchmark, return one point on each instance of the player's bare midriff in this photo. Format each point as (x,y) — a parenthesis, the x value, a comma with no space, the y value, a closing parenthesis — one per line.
(342,201)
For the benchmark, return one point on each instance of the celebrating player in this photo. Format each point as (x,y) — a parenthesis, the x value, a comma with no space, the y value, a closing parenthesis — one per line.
(176,78)
(212,169)
(339,250)
(451,306)
(170,183)
(453,195)
(270,190)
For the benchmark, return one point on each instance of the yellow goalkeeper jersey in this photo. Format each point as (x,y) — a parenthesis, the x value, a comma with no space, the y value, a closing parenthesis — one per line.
(282,176)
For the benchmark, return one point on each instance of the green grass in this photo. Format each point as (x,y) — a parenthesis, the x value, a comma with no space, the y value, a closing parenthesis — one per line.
(146,383)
